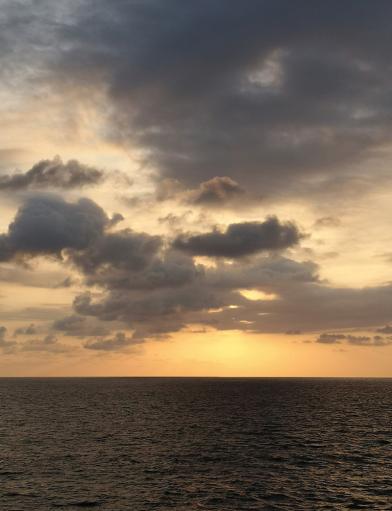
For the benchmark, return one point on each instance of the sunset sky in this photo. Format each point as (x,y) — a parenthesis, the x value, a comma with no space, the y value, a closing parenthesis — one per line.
(196,187)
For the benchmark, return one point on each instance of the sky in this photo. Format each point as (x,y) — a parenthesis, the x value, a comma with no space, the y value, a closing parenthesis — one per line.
(195,188)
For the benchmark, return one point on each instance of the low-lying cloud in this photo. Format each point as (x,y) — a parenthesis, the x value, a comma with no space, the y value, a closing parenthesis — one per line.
(143,284)
(354,340)
(119,342)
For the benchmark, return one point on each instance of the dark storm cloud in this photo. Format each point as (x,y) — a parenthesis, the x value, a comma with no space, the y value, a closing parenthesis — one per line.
(48,224)
(53,174)
(241,239)
(265,93)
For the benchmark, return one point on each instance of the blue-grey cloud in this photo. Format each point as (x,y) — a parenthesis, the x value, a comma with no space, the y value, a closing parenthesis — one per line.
(241,239)
(124,249)
(47,224)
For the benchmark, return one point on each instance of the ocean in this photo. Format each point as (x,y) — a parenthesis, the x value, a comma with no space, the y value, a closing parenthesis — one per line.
(145,444)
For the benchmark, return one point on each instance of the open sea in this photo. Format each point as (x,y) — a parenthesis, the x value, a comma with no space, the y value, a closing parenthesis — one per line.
(145,444)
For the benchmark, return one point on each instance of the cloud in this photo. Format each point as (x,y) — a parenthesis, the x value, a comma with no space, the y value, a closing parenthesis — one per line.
(39,278)
(381,341)
(79,326)
(241,239)
(330,338)
(26,330)
(116,218)
(284,102)
(385,330)
(139,281)
(53,174)
(354,340)
(41,312)
(70,324)
(47,224)
(215,192)
(387,256)
(160,311)
(48,344)
(261,93)
(141,269)
(211,297)
(124,249)
(119,342)
(65,283)
(3,331)
(215,98)
(327,221)
(7,347)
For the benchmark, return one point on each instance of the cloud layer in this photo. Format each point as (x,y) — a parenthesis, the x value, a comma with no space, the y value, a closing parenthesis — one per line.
(264,94)
(153,287)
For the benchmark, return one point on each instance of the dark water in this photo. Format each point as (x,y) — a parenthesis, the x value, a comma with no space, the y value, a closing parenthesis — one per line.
(195,444)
